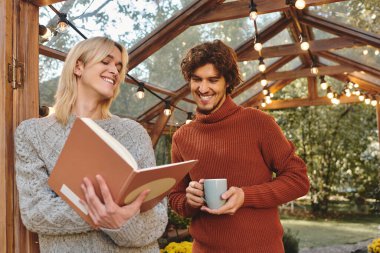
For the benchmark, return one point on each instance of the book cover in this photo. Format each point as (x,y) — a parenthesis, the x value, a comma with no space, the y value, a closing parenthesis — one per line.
(89,150)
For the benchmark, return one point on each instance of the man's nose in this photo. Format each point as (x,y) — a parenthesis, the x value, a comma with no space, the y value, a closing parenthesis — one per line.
(203,87)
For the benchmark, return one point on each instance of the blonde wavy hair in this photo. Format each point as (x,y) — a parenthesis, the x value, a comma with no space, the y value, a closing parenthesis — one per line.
(91,50)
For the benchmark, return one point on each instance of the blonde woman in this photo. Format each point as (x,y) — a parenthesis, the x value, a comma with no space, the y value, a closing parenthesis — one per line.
(90,81)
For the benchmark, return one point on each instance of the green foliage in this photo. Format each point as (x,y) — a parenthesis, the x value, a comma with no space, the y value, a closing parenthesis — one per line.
(177,221)
(290,241)
(339,145)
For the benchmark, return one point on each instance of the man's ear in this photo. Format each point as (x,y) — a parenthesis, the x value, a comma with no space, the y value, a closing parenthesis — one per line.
(79,66)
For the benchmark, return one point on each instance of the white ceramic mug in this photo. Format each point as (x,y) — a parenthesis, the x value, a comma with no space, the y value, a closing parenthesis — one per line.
(213,189)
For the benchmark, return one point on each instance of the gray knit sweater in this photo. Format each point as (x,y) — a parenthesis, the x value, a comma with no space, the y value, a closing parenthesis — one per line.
(38,143)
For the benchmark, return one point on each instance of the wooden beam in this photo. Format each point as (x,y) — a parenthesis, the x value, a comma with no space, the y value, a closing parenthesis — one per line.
(348,62)
(341,30)
(301,102)
(52,53)
(294,49)
(240,9)
(312,87)
(41,3)
(246,85)
(168,31)
(324,70)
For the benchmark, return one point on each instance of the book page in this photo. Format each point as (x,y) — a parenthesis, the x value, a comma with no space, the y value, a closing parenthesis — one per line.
(112,142)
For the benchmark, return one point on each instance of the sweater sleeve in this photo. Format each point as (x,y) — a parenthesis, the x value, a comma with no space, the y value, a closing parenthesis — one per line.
(291,179)
(144,228)
(177,197)
(42,211)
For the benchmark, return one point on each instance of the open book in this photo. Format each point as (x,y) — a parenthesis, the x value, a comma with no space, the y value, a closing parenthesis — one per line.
(89,151)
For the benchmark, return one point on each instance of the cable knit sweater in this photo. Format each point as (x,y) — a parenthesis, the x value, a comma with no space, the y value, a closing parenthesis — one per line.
(245,146)
(38,143)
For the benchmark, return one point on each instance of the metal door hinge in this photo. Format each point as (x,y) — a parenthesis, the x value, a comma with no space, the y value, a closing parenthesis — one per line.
(16,74)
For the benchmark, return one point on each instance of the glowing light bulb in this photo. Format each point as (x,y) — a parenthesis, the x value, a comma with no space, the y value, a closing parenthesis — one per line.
(258,46)
(263,104)
(264,81)
(253,15)
(314,70)
(300,4)
(305,45)
(373,103)
(367,101)
(361,97)
(262,66)
(265,91)
(167,112)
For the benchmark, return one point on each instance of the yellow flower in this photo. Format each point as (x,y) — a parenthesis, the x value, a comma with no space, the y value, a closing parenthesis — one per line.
(374,247)
(182,247)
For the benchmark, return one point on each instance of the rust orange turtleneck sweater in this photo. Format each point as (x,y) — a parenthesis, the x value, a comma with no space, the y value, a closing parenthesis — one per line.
(245,146)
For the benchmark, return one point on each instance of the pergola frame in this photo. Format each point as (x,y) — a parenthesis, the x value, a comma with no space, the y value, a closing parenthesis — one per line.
(20,48)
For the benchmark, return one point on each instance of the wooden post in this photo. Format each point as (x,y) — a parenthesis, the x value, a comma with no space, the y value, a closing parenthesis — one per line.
(6,140)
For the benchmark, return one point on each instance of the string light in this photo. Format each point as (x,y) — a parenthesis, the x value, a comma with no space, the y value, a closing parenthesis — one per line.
(304,44)
(189,117)
(367,100)
(252,11)
(167,110)
(257,45)
(373,101)
(330,93)
(323,83)
(45,32)
(314,69)
(264,81)
(265,91)
(361,97)
(335,100)
(263,104)
(62,23)
(140,91)
(262,66)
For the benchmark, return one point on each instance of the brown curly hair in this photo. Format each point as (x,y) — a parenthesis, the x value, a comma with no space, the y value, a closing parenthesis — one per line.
(217,53)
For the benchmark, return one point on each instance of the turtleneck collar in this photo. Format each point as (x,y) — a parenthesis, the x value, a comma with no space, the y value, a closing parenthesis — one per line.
(228,107)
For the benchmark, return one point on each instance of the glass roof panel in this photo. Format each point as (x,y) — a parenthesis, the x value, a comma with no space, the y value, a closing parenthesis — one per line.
(163,67)
(293,64)
(321,35)
(128,105)
(327,62)
(124,21)
(48,80)
(249,93)
(365,55)
(363,14)
(282,38)
(250,68)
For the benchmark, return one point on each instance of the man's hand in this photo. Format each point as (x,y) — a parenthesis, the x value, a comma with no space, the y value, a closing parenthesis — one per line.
(235,199)
(194,194)
(108,214)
